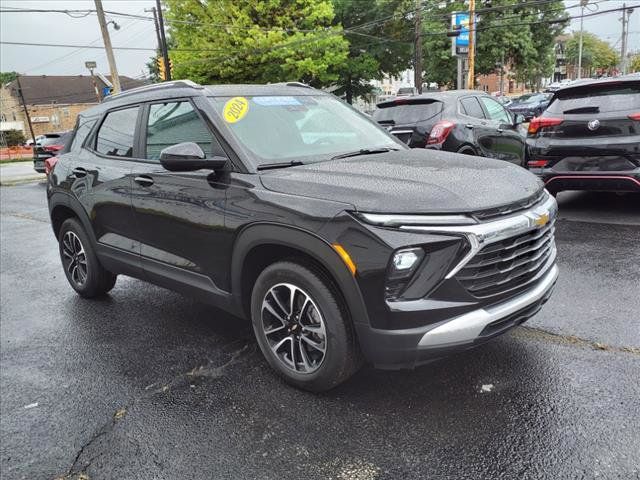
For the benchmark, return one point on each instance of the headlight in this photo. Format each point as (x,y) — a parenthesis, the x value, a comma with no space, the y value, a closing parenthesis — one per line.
(403,265)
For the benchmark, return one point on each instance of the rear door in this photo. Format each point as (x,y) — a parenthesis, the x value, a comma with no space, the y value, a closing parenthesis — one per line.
(180,215)
(598,128)
(508,143)
(100,180)
(409,119)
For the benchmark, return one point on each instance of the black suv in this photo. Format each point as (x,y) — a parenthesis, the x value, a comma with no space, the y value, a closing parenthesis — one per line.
(281,204)
(589,137)
(463,121)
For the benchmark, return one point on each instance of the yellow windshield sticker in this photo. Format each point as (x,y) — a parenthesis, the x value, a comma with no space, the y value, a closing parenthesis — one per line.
(235,109)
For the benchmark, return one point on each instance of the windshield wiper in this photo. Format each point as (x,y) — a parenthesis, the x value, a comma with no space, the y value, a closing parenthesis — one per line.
(365,151)
(583,110)
(270,166)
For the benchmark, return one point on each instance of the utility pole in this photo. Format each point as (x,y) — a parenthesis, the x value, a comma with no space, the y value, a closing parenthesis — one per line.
(165,52)
(502,75)
(472,48)
(417,51)
(626,13)
(157,27)
(26,111)
(583,3)
(115,79)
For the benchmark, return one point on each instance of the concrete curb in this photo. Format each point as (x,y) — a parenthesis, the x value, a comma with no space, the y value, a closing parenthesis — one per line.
(12,182)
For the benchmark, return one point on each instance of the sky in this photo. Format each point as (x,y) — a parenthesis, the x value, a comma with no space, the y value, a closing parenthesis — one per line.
(62,29)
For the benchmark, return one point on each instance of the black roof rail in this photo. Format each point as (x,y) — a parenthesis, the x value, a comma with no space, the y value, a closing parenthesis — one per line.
(156,86)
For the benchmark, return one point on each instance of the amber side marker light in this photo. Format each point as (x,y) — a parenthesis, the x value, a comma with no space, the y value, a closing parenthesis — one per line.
(345,257)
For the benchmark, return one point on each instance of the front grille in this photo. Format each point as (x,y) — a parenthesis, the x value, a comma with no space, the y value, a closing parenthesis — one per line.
(509,264)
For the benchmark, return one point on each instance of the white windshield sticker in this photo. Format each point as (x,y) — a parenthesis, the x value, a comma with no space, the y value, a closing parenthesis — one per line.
(276,101)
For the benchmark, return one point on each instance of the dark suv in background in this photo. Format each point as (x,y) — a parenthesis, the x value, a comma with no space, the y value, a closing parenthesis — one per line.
(281,204)
(589,137)
(463,121)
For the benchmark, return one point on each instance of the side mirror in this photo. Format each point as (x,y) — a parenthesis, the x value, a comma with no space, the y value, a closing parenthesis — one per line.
(188,157)
(518,119)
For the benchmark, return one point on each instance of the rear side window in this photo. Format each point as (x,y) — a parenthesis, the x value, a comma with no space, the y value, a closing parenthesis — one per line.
(81,132)
(116,134)
(177,122)
(471,107)
(407,113)
(597,99)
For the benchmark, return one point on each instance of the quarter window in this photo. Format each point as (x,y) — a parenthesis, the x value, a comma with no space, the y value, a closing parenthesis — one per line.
(177,122)
(495,110)
(472,107)
(116,134)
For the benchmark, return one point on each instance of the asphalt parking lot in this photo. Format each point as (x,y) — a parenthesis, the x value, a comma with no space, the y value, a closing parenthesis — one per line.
(146,383)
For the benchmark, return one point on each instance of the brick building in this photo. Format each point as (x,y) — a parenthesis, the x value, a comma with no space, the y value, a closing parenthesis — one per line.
(53,101)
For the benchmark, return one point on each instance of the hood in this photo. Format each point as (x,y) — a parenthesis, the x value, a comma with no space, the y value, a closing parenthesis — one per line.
(409,181)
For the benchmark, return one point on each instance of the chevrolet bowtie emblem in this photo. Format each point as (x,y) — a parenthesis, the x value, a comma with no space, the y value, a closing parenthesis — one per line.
(542,220)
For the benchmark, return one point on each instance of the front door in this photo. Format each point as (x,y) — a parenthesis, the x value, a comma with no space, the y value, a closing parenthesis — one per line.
(509,143)
(180,215)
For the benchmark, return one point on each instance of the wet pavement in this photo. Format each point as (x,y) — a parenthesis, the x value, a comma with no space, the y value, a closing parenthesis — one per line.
(146,383)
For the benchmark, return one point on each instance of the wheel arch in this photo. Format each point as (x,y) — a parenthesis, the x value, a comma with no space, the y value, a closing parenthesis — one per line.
(260,245)
(63,207)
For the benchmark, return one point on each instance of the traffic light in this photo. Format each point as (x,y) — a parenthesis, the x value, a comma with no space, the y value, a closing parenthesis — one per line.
(163,73)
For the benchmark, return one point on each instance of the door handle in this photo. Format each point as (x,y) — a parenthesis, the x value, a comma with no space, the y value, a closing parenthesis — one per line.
(499,130)
(80,172)
(469,126)
(144,181)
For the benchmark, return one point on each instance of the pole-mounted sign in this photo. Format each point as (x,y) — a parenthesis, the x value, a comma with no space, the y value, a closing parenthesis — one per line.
(460,42)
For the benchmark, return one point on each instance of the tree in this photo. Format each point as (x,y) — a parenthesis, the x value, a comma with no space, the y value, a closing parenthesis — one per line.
(634,63)
(596,54)
(6,77)
(14,138)
(374,50)
(229,41)
(523,35)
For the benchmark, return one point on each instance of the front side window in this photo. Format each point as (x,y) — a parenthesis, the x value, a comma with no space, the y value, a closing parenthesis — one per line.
(116,134)
(495,110)
(176,122)
(305,128)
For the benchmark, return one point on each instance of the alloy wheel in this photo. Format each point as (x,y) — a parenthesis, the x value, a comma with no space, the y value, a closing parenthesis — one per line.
(294,328)
(74,258)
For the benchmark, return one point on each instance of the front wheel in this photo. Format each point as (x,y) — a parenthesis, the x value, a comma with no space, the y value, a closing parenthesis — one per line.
(81,265)
(302,327)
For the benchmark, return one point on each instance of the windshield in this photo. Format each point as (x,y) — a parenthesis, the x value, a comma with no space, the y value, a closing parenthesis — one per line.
(306,128)
(602,98)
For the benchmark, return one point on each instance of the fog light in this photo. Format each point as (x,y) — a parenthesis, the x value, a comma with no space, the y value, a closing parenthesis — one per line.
(404,262)
(405,259)
(403,265)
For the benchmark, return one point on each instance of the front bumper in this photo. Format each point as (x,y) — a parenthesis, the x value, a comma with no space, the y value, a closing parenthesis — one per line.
(395,349)
(450,318)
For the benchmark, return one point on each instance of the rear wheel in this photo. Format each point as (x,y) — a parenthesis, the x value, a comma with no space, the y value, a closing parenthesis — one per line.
(302,327)
(81,266)
(466,151)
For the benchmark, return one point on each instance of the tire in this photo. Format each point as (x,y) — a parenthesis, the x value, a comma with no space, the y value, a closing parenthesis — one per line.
(467,151)
(81,266)
(322,320)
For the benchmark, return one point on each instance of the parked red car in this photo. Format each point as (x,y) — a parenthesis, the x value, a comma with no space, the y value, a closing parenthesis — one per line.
(46,151)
